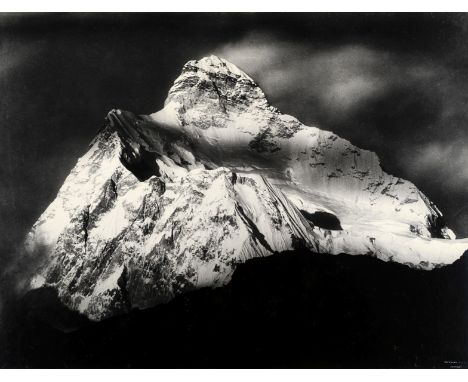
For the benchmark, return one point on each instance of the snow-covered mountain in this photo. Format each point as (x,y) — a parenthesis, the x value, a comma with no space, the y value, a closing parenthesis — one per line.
(174,201)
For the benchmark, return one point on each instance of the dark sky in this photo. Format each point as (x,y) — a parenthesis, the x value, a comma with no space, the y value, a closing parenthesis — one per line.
(393,83)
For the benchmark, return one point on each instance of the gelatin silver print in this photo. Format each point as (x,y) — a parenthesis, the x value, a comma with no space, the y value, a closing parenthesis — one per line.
(233,190)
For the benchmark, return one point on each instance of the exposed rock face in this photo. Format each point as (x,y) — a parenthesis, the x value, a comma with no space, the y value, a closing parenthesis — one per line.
(172,202)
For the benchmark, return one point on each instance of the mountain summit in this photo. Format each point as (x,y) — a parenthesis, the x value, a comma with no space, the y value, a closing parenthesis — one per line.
(174,201)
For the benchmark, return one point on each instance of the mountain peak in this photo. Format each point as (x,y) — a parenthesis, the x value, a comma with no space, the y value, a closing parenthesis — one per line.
(216,83)
(216,65)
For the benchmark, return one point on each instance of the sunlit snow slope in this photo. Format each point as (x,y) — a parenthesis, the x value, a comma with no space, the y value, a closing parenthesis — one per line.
(171,202)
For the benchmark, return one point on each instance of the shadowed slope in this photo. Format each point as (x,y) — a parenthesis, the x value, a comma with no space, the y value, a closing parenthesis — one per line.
(295,309)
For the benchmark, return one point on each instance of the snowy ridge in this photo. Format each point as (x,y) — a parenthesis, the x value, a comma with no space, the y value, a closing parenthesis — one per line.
(171,202)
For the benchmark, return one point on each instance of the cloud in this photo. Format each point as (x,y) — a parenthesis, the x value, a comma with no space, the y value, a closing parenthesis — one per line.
(334,78)
(445,161)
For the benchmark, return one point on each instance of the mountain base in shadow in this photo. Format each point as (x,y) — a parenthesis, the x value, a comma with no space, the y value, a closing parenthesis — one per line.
(296,309)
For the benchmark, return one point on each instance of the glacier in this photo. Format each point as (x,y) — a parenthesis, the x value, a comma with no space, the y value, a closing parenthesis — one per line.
(170,202)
